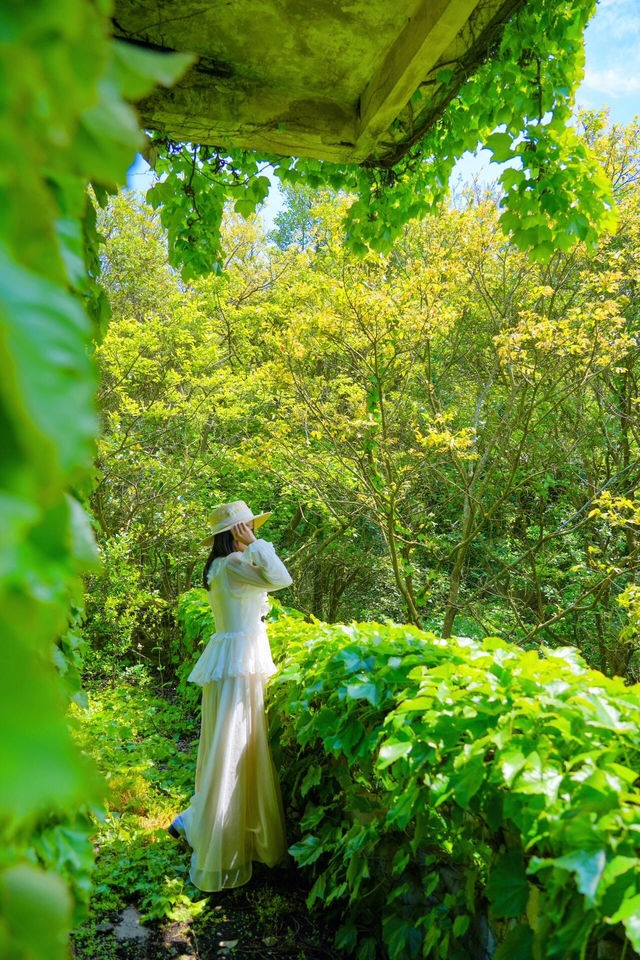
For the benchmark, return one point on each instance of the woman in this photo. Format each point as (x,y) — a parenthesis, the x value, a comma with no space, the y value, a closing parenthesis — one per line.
(236,814)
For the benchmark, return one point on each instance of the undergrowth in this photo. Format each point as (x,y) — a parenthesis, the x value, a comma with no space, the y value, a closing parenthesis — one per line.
(145,748)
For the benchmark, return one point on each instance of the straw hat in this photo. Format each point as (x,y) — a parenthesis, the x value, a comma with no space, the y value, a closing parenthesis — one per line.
(225,516)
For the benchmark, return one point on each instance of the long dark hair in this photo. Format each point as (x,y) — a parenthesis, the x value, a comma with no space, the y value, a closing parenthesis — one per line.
(223,545)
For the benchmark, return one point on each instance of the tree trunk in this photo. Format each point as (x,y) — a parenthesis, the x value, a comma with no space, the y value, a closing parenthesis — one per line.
(451,608)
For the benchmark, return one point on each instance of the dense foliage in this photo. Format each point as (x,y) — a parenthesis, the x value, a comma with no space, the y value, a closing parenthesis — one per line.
(452,793)
(64,122)
(145,748)
(449,432)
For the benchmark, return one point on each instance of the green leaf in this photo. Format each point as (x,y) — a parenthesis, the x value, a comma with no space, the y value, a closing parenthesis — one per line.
(351,659)
(632,926)
(500,145)
(507,887)
(71,242)
(538,777)
(367,949)
(510,177)
(83,544)
(511,762)
(418,704)
(108,136)
(346,936)
(317,890)
(587,868)
(400,860)
(363,691)
(41,932)
(307,851)
(46,371)
(137,70)
(629,909)
(469,779)
(402,939)
(357,871)
(579,226)
(245,207)
(259,188)
(312,778)
(391,750)
(517,945)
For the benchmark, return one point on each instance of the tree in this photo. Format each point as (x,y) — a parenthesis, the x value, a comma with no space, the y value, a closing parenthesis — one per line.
(294,224)
(429,420)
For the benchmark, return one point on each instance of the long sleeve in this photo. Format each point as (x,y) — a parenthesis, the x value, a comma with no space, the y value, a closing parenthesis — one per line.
(259,566)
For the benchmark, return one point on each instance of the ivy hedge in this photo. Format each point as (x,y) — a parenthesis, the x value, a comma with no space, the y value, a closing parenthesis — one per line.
(455,798)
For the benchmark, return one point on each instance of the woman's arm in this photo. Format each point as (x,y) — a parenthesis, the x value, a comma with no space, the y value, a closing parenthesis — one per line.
(259,566)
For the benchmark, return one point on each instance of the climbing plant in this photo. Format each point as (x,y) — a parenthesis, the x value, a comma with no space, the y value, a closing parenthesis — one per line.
(63,123)
(517,104)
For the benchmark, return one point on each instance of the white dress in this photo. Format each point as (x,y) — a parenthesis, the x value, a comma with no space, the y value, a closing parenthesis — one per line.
(236,814)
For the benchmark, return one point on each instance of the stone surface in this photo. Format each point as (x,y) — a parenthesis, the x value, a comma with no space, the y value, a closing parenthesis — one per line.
(339,81)
(130,927)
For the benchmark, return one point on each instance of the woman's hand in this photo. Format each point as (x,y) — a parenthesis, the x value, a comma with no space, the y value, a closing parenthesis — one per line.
(243,534)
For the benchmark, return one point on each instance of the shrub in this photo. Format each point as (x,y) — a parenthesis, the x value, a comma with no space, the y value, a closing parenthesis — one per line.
(453,792)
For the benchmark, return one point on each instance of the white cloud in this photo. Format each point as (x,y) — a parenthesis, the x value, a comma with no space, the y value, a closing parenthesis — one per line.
(612,69)
(614,81)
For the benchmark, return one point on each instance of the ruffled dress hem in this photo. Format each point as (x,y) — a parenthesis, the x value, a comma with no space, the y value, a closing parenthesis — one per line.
(235,654)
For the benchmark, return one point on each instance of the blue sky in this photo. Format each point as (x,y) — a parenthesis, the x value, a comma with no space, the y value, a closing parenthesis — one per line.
(612,79)
(612,70)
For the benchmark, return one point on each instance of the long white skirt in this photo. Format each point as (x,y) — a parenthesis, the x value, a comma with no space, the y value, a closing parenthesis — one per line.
(236,814)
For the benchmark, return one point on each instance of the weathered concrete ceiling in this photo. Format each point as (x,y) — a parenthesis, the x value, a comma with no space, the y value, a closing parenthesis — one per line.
(343,80)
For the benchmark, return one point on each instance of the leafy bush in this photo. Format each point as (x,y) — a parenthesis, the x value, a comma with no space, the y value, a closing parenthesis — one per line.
(453,792)
(124,618)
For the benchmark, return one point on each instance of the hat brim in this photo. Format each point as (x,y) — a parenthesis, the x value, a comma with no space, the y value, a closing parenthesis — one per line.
(257,522)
